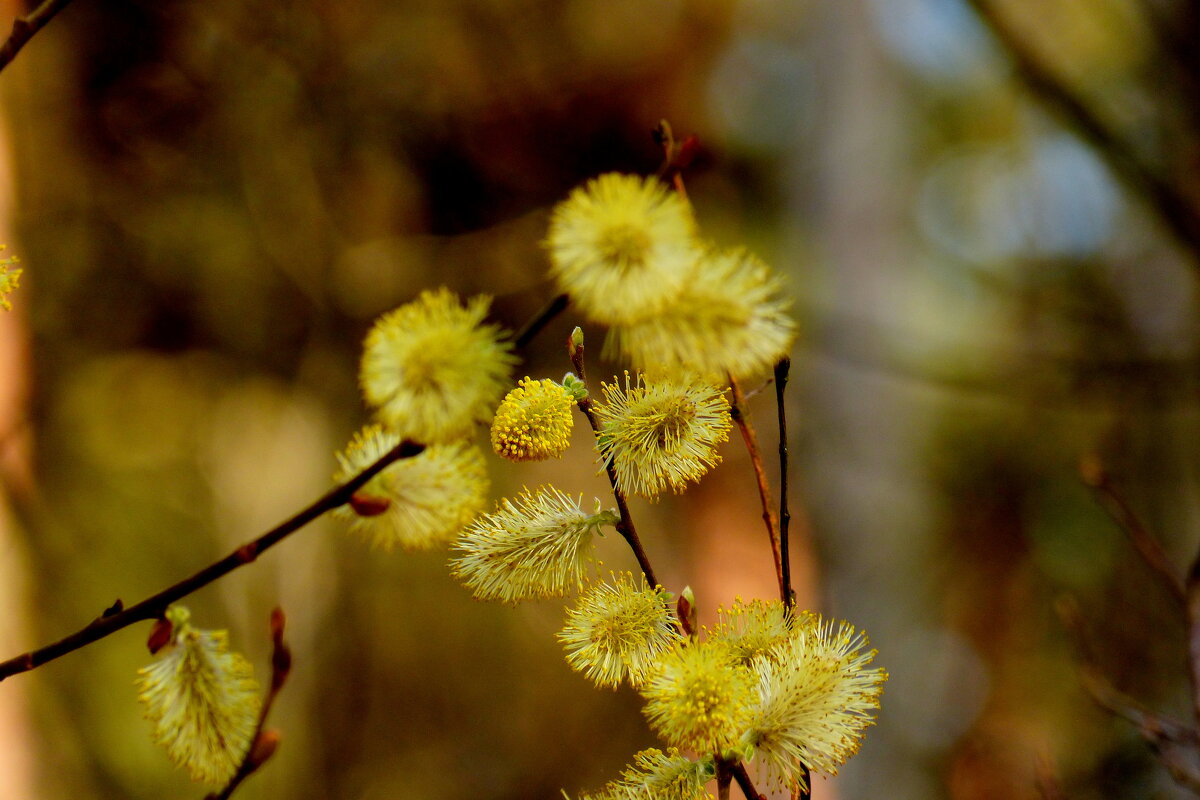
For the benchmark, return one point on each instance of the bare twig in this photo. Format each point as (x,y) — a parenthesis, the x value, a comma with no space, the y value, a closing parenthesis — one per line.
(116,618)
(724,778)
(1173,742)
(805,788)
(540,320)
(1148,547)
(265,742)
(738,412)
(625,524)
(785,516)
(1165,197)
(744,783)
(25,27)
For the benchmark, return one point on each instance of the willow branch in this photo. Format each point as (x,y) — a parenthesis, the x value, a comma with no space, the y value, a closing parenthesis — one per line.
(1174,743)
(724,778)
(25,27)
(625,524)
(540,320)
(804,790)
(738,412)
(264,742)
(785,516)
(1165,197)
(744,783)
(1148,547)
(116,617)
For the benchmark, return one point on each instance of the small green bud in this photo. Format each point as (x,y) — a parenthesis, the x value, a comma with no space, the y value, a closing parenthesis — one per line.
(575,387)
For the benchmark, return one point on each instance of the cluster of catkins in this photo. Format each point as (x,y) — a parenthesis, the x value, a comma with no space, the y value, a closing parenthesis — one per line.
(787,691)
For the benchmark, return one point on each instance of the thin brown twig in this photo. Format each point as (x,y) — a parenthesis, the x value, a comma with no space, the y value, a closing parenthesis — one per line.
(1165,197)
(805,788)
(117,617)
(744,783)
(1172,741)
(724,777)
(785,516)
(264,742)
(1148,547)
(625,525)
(25,27)
(540,320)
(738,412)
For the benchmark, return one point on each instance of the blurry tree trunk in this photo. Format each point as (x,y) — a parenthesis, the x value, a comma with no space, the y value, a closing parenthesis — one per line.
(16,739)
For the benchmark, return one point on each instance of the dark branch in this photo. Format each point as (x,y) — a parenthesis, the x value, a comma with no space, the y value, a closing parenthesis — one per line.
(1173,742)
(154,606)
(25,27)
(265,742)
(1148,547)
(737,410)
(785,516)
(543,318)
(1164,197)
(744,783)
(625,525)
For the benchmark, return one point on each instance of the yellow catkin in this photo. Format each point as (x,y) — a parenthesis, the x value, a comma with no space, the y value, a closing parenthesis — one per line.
(533,422)
(622,247)
(432,368)
(661,434)
(416,503)
(202,700)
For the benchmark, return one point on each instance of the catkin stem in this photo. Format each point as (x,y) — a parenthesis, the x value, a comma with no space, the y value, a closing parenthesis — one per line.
(625,526)
(738,412)
(155,606)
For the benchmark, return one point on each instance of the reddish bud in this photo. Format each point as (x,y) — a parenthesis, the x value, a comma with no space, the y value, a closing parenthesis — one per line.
(160,635)
(264,747)
(367,506)
(689,148)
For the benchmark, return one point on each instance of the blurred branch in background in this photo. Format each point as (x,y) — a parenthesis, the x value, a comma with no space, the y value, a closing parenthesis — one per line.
(25,27)
(1160,189)
(118,617)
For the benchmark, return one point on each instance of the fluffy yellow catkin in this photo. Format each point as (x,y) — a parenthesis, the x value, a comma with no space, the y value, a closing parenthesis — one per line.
(621,246)
(432,368)
(202,700)
(728,320)
(661,434)
(533,422)
(816,694)
(536,546)
(699,698)
(618,629)
(416,503)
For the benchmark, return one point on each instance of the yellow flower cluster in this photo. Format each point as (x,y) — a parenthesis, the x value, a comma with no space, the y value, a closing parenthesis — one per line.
(660,776)
(533,422)
(699,698)
(816,694)
(625,250)
(416,503)
(618,629)
(432,369)
(661,434)
(538,546)
(795,693)
(621,246)
(202,700)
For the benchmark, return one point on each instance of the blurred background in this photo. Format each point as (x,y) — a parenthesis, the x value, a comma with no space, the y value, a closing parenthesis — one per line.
(214,200)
